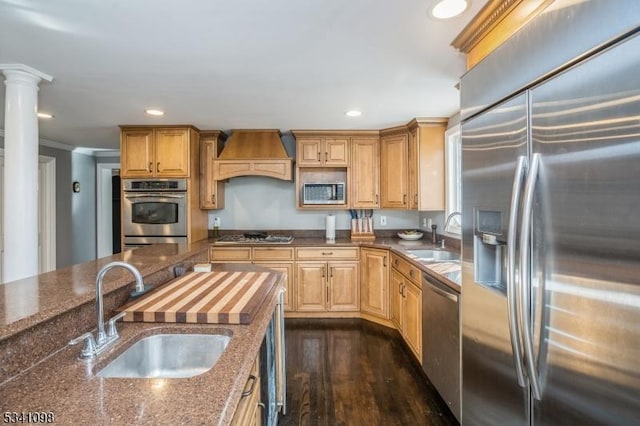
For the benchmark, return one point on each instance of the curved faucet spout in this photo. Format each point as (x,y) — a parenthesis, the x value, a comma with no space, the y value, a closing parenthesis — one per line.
(102,336)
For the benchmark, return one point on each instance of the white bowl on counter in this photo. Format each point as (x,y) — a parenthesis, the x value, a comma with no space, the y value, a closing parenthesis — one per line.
(410,237)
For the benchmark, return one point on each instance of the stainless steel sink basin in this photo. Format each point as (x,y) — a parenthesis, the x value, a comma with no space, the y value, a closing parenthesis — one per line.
(168,356)
(435,255)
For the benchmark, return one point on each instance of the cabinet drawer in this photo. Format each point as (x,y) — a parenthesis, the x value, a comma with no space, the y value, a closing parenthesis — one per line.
(246,410)
(407,269)
(261,254)
(233,254)
(321,253)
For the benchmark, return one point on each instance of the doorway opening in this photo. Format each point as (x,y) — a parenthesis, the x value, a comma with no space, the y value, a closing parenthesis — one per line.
(108,210)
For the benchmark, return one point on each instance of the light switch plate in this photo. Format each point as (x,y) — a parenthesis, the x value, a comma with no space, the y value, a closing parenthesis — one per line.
(383,221)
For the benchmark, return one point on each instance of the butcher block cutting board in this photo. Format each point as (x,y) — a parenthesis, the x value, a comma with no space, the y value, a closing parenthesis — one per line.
(205,298)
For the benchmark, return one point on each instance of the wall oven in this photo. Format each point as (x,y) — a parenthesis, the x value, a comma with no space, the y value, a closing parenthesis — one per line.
(154,211)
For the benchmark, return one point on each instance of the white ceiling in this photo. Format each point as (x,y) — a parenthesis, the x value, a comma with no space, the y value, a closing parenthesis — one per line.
(216,64)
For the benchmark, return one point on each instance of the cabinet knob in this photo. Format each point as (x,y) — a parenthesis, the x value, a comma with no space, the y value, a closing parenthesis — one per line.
(411,273)
(213,198)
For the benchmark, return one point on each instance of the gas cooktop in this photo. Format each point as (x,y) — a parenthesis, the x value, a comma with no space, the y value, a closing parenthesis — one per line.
(254,238)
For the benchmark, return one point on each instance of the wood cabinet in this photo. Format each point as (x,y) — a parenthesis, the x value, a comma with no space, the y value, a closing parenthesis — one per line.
(374,282)
(327,286)
(406,303)
(163,152)
(211,190)
(394,171)
(277,258)
(248,412)
(364,182)
(322,151)
(327,279)
(426,164)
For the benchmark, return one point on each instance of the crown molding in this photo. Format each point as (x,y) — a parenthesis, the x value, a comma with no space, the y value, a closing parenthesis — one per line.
(494,24)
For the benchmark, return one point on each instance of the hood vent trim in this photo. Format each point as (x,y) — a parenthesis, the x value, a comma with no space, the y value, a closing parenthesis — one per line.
(254,153)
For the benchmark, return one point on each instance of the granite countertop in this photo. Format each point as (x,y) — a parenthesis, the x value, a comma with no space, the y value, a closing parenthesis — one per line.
(69,388)
(446,272)
(30,301)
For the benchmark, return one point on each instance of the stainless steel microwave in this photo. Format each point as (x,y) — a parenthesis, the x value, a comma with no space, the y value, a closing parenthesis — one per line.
(324,193)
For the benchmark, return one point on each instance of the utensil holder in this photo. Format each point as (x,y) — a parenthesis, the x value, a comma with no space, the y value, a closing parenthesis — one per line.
(362,229)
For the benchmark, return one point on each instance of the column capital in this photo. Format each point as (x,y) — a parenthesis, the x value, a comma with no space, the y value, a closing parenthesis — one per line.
(21,70)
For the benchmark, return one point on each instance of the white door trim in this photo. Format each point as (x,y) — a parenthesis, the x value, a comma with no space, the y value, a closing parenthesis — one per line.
(48,210)
(104,220)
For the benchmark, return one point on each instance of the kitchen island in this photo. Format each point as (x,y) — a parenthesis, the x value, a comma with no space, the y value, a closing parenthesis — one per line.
(70,390)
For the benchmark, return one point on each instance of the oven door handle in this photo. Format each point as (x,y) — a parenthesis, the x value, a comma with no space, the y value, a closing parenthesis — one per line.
(133,197)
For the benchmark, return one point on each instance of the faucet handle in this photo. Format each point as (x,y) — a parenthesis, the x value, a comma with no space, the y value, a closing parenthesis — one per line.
(89,349)
(112,331)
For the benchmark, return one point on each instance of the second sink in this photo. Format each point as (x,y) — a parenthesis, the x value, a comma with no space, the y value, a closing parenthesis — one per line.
(435,255)
(168,356)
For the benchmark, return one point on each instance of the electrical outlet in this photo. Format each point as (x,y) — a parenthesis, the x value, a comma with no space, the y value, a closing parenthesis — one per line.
(216,222)
(424,222)
(383,221)
(429,223)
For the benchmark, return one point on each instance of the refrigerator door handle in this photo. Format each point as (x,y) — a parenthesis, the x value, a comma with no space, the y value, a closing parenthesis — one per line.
(512,307)
(525,278)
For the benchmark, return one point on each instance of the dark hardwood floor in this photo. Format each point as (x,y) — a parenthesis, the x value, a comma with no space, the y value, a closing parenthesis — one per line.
(353,372)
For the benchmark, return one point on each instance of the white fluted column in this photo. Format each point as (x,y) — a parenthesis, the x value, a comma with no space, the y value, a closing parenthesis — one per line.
(20,223)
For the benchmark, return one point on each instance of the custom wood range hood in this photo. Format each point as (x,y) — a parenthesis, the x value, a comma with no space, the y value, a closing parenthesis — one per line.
(254,153)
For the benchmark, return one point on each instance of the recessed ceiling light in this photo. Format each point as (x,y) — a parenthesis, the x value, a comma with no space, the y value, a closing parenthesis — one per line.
(44,115)
(155,112)
(353,113)
(446,9)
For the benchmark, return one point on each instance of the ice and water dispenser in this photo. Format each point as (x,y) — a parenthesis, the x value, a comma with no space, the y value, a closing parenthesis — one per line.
(490,250)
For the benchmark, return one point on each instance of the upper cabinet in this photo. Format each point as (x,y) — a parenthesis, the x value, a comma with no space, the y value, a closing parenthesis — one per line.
(322,151)
(364,178)
(394,169)
(211,190)
(426,164)
(412,165)
(163,152)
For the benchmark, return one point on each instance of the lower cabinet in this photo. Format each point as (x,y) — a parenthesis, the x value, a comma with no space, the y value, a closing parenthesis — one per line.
(374,282)
(248,412)
(327,286)
(406,310)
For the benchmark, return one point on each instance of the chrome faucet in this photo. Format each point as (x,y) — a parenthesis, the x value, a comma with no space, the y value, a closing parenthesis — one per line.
(93,346)
(451,216)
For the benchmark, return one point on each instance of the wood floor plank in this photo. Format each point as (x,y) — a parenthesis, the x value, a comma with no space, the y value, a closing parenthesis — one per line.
(352,372)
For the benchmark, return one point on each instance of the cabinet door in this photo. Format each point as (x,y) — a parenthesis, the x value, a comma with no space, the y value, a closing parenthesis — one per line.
(211,191)
(393,172)
(172,152)
(308,152)
(365,173)
(336,152)
(412,327)
(343,286)
(374,282)
(412,166)
(287,268)
(397,284)
(136,150)
(311,291)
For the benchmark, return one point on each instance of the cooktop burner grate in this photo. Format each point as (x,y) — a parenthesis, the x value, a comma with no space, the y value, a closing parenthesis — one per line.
(255,238)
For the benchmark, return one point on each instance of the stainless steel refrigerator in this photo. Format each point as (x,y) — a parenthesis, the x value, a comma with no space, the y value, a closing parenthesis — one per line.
(551,249)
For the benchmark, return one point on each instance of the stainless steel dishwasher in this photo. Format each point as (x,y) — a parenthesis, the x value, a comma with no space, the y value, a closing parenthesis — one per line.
(441,340)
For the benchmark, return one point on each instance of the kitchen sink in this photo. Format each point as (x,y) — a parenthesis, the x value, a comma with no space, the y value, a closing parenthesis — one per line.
(168,356)
(435,255)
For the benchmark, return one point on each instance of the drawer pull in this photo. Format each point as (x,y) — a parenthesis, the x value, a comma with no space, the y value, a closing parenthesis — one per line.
(150,165)
(384,261)
(327,253)
(411,273)
(158,166)
(253,379)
